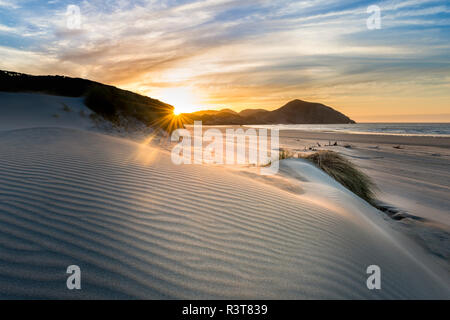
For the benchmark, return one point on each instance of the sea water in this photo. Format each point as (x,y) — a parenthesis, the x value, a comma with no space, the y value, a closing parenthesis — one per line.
(404,129)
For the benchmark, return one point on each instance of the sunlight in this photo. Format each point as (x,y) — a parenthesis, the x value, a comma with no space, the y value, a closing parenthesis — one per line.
(183,99)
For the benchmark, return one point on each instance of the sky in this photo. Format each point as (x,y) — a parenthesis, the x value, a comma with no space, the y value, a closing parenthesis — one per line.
(214,54)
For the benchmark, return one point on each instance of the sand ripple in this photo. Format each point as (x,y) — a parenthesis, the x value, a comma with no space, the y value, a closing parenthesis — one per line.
(154,230)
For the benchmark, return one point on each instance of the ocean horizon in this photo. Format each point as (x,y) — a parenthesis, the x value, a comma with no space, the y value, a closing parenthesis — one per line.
(379,128)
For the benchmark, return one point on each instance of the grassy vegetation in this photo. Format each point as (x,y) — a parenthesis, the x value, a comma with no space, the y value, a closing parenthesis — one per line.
(113,103)
(66,108)
(285,154)
(340,169)
(346,173)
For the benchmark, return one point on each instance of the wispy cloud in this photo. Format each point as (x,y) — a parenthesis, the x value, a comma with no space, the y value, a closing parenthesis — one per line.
(9,4)
(240,54)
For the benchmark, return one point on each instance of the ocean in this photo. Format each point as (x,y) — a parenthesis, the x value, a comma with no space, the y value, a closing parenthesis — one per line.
(403,129)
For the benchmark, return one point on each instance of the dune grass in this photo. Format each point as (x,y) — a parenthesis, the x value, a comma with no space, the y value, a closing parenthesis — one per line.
(346,173)
(285,154)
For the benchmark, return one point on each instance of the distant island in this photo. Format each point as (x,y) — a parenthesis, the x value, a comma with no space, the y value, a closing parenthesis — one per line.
(114,104)
(294,112)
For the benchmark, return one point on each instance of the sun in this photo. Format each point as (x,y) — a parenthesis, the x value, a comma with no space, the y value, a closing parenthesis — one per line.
(176,112)
(183,99)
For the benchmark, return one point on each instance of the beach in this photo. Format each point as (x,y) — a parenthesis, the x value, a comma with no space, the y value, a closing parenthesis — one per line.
(410,171)
(139,226)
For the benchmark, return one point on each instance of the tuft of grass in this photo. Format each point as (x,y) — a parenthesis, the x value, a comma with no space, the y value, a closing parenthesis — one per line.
(285,154)
(346,173)
(66,108)
(282,154)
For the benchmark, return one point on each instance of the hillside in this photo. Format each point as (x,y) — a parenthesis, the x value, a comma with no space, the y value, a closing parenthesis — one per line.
(252,112)
(214,117)
(294,112)
(298,111)
(112,103)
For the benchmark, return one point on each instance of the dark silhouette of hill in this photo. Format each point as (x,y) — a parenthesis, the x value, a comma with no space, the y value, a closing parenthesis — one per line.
(229,111)
(294,112)
(252,112)
(299,111)
(107,101)
(212,112)
(216,117)
(219,118)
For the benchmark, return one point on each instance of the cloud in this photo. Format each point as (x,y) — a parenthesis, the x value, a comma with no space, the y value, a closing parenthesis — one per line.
(257,52)
(7,29)
(10,4)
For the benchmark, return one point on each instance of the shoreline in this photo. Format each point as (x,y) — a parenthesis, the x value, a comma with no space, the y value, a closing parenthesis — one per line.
(411,175)
(361,137)
(410,172)
(434,141)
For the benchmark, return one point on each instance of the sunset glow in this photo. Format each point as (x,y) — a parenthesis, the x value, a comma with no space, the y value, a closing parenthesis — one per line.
(183,99)
(224,54)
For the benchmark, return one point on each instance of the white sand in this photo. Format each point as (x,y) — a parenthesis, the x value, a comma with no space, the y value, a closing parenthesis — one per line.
(28,110)
(141,227)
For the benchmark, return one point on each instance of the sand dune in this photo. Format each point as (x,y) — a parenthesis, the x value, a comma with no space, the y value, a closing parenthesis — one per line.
(141,227)
(25,110)
(413,180)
